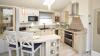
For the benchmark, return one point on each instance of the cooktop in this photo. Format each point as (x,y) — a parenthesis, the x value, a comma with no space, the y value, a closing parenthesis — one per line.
(73,30)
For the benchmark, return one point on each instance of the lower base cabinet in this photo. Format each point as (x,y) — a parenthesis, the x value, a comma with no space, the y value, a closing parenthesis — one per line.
(61,33)
(3,46)
(52,48)
(80,42)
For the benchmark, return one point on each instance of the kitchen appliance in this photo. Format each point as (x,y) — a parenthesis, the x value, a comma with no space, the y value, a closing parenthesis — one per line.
(56,32)
(22,29)
(32,18)
(68,38)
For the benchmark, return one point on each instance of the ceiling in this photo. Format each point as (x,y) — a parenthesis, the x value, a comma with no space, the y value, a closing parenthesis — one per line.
(58,5)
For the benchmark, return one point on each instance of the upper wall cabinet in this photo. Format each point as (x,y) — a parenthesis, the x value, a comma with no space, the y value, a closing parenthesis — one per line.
(22,16)
(24,13)
(57,16)
(65,16)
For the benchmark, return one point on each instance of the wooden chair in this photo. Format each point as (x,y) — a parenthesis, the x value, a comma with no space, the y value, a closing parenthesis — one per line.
(13,43)
(27,44)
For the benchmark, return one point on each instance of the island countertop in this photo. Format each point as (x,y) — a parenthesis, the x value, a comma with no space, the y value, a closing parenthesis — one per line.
(43,38)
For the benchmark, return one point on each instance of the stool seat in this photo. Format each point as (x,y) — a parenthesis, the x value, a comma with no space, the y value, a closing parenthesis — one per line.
(36,45)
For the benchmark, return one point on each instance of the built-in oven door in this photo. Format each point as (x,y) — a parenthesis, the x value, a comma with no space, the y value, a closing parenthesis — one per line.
(68,38)
(68,41)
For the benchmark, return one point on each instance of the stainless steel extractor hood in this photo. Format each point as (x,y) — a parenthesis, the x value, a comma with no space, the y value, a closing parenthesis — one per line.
(76,21)
(76,24)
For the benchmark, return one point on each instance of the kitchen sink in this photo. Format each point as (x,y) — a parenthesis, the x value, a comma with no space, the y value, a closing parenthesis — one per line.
(43,28)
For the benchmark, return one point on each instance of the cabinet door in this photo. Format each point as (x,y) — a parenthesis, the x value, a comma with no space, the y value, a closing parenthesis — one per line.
(23,15)
(65,17)
(76,42)
(61,33)
(80,42)
(52,48)
(25,12)
(3,46)
(36,13)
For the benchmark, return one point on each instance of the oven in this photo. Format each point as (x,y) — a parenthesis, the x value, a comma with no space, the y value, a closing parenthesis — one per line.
(68,38)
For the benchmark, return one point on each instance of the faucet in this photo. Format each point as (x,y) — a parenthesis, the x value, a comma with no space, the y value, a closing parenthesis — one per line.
(68,25)
(44,25)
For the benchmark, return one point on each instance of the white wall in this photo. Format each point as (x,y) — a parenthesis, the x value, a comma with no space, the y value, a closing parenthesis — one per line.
(95,5)
(84,12)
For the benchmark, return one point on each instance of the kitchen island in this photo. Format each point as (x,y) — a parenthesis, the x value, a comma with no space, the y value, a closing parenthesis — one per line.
(50,44)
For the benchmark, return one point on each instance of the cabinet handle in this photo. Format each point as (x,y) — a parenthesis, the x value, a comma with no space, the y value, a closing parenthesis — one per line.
(52,51)
(53,44)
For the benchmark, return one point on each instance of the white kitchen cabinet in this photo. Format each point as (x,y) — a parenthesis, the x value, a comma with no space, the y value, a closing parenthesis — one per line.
(31,12)
(57,17)
(3,46)
(65,17)
(57,14)
(61,33)
(23,15)
(25,12)
(80,42)
(36,12)
(52,48)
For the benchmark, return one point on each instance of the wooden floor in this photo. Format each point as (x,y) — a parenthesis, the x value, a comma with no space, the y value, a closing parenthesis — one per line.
(65,50)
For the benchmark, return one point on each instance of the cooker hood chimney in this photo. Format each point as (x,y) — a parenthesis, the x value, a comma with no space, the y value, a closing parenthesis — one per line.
(75,9)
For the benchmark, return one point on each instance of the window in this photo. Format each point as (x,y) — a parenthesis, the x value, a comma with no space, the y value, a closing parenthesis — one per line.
(7,21)
(46,18)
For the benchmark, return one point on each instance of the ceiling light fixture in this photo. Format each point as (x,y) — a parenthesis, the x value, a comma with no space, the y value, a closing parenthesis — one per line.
(48,3)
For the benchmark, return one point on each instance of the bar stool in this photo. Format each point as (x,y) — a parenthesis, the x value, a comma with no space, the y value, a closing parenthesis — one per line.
(27,44)
(13,43)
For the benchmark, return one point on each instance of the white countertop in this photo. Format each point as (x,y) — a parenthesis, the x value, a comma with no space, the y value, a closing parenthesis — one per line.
(43,38)
(81,31)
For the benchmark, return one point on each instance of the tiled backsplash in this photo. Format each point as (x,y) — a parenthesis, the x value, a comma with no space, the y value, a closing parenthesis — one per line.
(36,25)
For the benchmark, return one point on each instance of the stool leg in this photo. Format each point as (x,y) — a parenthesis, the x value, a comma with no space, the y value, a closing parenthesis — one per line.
(17,52)
(32,54)
(40,51)
(22,53)
(10,53)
